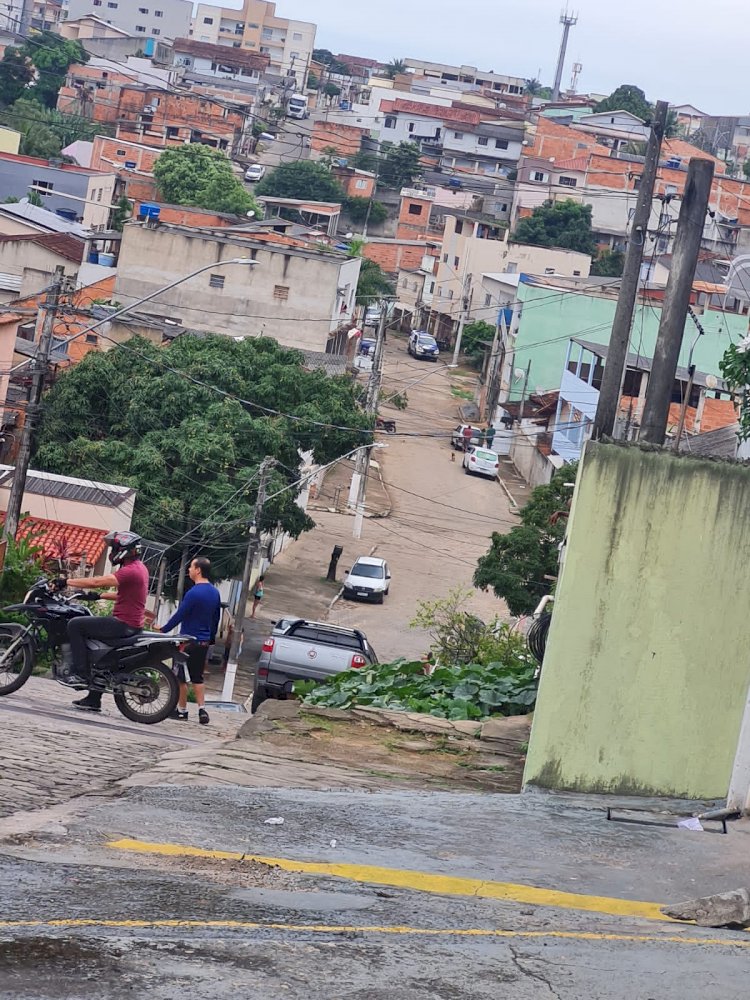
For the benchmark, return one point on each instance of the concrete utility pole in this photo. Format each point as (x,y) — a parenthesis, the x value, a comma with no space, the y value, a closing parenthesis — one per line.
(252,553)
(465,307)
(614,370)
(39,367)
(687,245)
(567,20)
(496,364)
(362,467)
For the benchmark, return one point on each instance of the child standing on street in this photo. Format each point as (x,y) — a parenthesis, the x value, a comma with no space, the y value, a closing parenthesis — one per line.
(257,596)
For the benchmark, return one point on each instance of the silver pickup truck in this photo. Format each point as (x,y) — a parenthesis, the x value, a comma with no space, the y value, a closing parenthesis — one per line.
(300,650)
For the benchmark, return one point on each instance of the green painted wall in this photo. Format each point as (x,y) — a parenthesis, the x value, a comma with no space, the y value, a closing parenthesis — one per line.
(648,660)
(550,318)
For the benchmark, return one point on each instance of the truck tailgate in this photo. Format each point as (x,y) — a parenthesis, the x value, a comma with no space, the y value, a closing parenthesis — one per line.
(306,658)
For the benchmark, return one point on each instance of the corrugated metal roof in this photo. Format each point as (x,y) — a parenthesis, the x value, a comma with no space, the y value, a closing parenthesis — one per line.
(10,282)
(62,488)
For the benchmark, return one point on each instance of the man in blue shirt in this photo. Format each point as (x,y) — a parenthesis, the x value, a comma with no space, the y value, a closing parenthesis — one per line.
(198,615)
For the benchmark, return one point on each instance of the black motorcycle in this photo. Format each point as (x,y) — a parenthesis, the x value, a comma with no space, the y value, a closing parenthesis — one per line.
(137,671)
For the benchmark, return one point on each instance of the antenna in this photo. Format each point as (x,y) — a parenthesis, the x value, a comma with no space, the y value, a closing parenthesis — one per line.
(567,20)
(577,70)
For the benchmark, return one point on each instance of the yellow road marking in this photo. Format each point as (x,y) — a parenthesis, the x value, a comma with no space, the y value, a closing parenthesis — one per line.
(469,932)
(444,885)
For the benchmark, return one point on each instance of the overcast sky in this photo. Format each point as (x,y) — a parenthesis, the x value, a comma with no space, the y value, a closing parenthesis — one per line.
(693,51)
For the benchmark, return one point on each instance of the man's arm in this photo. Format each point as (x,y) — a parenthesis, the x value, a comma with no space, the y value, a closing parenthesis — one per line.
(92,582)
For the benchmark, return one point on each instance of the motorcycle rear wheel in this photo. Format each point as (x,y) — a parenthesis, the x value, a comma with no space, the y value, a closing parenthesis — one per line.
(150,694)
(14,675)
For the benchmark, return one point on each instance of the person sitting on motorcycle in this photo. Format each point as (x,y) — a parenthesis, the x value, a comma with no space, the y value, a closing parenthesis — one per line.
(129,590)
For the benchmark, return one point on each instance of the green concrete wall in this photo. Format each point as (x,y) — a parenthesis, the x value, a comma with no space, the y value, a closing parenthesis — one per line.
(550,318)
(648,660)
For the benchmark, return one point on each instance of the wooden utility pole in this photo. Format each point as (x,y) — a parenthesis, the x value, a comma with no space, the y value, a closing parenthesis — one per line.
(614,370)
(362,466)
(250,557)
(687,245)
(39,367)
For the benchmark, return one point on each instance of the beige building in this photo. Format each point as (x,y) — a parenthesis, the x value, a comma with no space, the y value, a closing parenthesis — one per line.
(89,26)
(255,27)
(473,247)
(10,140)
(28,261)
(296,293)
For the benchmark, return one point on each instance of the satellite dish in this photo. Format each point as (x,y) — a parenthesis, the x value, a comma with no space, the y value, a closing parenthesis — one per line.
(518,374)
(711,381)
(251,215)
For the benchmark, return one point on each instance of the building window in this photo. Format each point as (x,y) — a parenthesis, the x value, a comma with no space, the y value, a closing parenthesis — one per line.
(636,183)
(670,189)
(456,261)
(440,292)
(281,292)
(99,194)
(140,29)
(458,135)
(569,182)
(216,281)
(297,36)
(267,33)
(415,209)
(97,3)
(390,121)
(411,126)
(45,188)
(158,13)
(483,140)
(120,152)
(549,270)
(91,338)
(208,20)
(576,274)
(360,184)
(487,300)
(459,227)
(156,31)
(450,293)
(112,6)
(537,175)
(143,10)
(445,258)
(501,143)
(173,132)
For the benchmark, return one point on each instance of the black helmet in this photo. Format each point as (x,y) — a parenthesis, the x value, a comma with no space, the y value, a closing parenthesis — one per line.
(123,544)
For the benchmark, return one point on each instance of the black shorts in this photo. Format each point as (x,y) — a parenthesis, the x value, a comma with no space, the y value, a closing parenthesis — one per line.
(197,653)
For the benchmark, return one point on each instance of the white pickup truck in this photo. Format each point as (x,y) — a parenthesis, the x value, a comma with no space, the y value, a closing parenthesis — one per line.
(299,650)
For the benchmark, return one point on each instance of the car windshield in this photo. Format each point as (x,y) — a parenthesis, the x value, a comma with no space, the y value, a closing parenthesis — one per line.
(486,456)
(429,341)
(365,569)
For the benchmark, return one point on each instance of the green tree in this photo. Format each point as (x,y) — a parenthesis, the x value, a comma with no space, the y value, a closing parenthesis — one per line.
(312,81)
(331,89)
(394,67)
(363,160)
(746,169)
(608,264)
(565,224)
(301,179)
(532,87)
(373,283)
(627,97)
(52,56)
(399,164)
(16,74)
(193,456)
(517,564)
(359,209)
(198,175)
(474,334)
(121,214)
(45,131)
(327,155)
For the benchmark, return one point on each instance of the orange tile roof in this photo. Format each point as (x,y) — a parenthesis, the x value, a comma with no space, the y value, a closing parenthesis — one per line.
(425,110)
(56,537)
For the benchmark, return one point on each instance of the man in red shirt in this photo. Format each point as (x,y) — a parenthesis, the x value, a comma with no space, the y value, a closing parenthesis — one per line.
(128,589)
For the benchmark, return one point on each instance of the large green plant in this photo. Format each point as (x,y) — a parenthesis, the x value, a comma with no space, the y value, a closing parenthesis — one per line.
(565,224)
(23,567)
(197,175)
(735,367)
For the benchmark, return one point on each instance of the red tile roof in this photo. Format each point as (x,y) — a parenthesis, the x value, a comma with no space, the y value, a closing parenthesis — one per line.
(56,536)
(63,244)
(222,53)
(431,111)
(577,163)
(36,161)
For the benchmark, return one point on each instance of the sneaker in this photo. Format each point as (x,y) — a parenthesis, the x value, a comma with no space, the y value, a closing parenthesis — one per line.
(179,714)
(91,703)
(203,716)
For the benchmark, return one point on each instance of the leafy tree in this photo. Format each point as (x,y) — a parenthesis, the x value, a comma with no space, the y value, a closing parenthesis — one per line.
(52,56)
(516,565)
(359,209)
(45,131)
(473,334)
(399,164)
(608,264)
(198,175)
(331,89)
(193,456)
(373,283)
(324,56)
(746,169)
(394,67)
(16,73)
(327,155)
(301,179)
(121,214)
(627,97)
(565,224)
(532,87)
(363,160)
(312,81)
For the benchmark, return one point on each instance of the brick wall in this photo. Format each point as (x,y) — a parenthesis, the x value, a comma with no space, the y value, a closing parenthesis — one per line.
(345,139)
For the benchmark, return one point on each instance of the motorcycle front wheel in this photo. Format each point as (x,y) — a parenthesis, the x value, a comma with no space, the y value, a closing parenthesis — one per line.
(19,665)
(149,694)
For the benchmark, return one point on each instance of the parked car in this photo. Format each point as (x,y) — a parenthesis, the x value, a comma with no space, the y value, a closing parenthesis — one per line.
(369,579)
(422,345)
(481,461)
(372,316)
(457,437)
(255,172)
(298,650)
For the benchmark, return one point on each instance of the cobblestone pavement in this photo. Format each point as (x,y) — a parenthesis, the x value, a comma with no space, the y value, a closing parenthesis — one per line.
(50,752)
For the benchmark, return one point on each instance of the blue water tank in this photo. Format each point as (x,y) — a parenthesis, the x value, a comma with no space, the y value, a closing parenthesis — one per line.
(149,211)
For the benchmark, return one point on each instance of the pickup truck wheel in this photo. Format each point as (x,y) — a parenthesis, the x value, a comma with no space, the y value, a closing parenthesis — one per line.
(259,696)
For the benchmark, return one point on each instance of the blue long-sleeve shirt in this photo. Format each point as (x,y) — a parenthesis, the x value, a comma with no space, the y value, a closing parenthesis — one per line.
(198,613)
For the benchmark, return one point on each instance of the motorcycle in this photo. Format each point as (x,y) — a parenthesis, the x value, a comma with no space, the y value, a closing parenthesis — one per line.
(132,670)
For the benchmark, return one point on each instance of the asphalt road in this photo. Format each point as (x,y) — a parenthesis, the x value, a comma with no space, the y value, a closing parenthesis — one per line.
(83,914)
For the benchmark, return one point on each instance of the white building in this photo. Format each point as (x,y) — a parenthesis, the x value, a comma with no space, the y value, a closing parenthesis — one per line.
(146,18)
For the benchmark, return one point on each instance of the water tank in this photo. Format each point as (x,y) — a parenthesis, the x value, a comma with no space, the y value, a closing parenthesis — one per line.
(107,259)
(149,211)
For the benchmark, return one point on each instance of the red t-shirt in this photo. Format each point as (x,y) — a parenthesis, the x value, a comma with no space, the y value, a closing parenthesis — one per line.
(132,591)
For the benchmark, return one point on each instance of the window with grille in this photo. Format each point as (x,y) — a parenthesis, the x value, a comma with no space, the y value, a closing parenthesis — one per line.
(281,292)
(216,281)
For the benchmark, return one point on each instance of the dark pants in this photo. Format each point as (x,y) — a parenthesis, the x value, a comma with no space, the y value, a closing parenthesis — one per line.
(81,629)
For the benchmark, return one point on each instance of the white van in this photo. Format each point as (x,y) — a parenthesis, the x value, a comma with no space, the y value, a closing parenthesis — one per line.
(297,106)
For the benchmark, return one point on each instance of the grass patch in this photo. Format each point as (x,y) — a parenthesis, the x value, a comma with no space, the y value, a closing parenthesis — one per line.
(461,393)
(317,722)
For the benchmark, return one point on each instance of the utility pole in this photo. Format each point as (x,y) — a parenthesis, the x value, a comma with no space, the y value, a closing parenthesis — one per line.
(252,551)
(567,20)
(614,370)
(674,313)
(362,467)
(45,327)
(523,394)
(497,362)
(465,307)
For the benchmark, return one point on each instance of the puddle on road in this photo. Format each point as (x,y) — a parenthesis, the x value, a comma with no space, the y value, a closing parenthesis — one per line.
(319,902)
